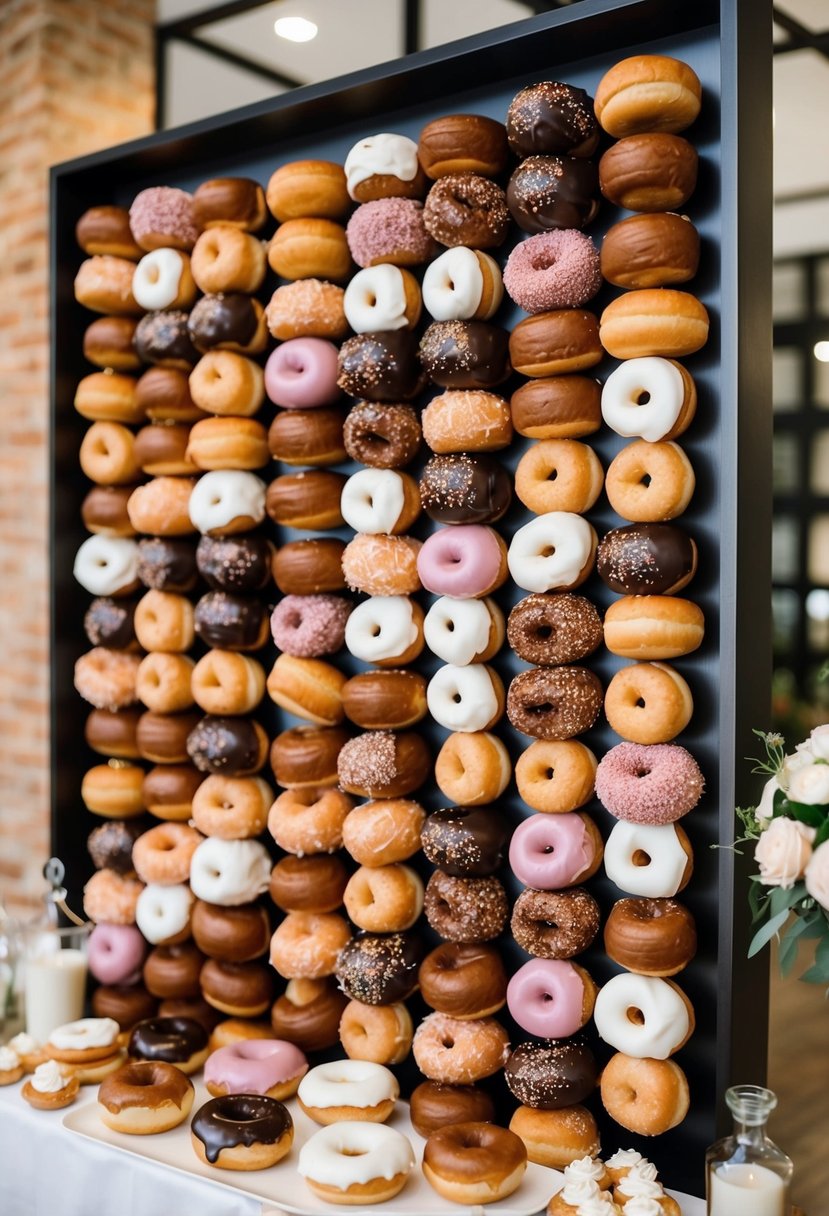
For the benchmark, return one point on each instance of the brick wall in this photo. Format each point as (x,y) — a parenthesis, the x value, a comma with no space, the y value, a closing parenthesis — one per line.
(75,76)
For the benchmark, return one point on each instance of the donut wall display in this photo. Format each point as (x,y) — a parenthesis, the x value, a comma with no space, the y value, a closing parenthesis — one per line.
(396,627)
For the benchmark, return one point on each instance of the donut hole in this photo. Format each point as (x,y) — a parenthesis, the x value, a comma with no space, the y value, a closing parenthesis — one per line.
(552,475)
(548,849)
(641,859)
(457,698)
(645,480)
(642,398)
(549,924)
(544,707)
(550,774)
(543,633)
(642,772)
(639,703)
(450,626)
(635,1016)
(353,1152)
(548,551)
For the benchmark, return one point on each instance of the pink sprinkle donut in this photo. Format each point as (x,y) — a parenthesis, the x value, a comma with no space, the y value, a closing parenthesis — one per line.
(389,230)
(465,562)
(654,784)
(553,270)
(116,954)
(546,997)
(254,1066)
(163,215)
(550,852)
(307,626)
(302,373)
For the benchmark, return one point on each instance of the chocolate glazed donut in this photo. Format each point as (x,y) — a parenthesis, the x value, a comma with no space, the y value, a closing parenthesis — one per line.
(381,367)
(465,840)
(166,565)
(548,192)
(552,117)
(555,924)
(240,1120)
(465,354)
(379,969)
(465,489)
(223,319)
(172,1039)
(554,702)
(231,622)
(548,1076)
(110,623)
(647,559)
(163,337)
(235,563)
(553,629)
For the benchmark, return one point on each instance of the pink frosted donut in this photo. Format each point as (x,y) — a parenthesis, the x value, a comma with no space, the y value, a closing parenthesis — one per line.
(389,230)
(163,215)
(466,562)
(553,270)
(654,784)
(116,954)
(307,626)
(549,852)
(302,373)
(547,997)
(254,1066)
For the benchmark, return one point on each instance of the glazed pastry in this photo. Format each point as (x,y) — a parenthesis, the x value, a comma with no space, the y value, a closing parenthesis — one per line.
(384,166)
(462,143)
(307,188)
(110,845)
(106,230)
(310,499)
(306,945)
(382,565)
(551,998)
(651,785)
(382,298)
(168,790)
(238,564)
(308,688)
(559,475)
(308,884)
(467,421)
(236,201)
(648,93)
(227,443)
(107,343)
(166,565)
(551,1075)
(385,700)
(162,913)
(651,172)
(384,899)
(108,396)
(163,338)
(654,250)
(228,321)
(310,249)
(234,808)
(462,284)
(380,366)
(552,343)
(495,1157)
(666,1022)
(547,192)
(561,407)
(106,678)
(647,559)
(390,230)
(379,969)
(554,552)
(356,1162)
(104,284)
(554,629)
(307,437)
(175,1040)
(558,269)
(224,382)
(242,1132)
(552,117)
(464,980)
(163,393)
(653,627)
(309,821)
(662,1082)
(380,501)
(557,1137)
(473,768)
(113,733)
(233,746)
(107,454)
(163,682)
(382,436)
(465,840)
(308,1014)
(114,791)
(458,1052)
(307,308)
(381,1034)
(270,1067)
(669,863)
(162,451)
(654,937)
(464,631)
(104,511)
(305,759)
(658,321)
(383,831)
(163,216)
(227,259)
(163,279)
(648,703)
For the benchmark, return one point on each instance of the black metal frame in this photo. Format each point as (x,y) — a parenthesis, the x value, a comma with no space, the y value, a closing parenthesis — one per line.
(730,444)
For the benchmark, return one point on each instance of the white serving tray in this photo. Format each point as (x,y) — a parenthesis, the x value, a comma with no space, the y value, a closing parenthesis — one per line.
(283,1187)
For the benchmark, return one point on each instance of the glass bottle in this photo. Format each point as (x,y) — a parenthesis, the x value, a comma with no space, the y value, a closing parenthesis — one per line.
(746,1173)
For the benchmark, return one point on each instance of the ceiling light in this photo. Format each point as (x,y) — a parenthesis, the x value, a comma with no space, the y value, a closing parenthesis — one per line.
(295,29)
(822,352)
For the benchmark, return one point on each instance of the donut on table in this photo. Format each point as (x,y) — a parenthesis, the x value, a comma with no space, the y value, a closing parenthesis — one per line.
(173,1040)
(356,1162)
(643,1016)
(551,998)
(348,1090)
(645,860)
(474,1163)
(242,1132)
(145,1097)
(268,1067)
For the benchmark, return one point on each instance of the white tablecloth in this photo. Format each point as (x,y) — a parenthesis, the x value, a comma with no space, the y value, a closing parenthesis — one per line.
(46,1170)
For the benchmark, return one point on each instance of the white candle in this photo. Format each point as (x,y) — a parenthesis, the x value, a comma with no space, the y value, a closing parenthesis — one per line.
(746,1190)
(55,989)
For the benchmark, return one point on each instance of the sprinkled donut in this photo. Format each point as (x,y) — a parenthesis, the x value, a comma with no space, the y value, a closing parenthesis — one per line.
(549,1076)
(389,230)
(554,702)
(652,785)
(465,909)
(465,209)
(307,626)
(382,436)
(552,629)
(551,270)
(549,852)
(555,924)
(459,1052)
(380,968)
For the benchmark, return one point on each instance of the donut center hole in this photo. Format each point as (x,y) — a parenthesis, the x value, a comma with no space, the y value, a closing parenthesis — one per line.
(636,1017)
(166,846)
(642,398)
(547,997)
(641,859)
(548,848)
(548,551)
(379,440)
(643,772)
(450,626)
(552,475)
(544,633)
(448,1042)
(376,631)
(549,924)
(353,1152)
(645,480)
(545,707)
(457,698)
(639,703)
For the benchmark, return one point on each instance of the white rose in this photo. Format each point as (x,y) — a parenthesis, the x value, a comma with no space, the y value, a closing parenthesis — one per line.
(765,807)
(810,785)
(792,764)
(783,852)
(817,875)
(819,742)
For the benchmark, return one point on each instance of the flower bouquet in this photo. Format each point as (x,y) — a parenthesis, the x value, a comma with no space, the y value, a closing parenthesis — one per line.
(789,828)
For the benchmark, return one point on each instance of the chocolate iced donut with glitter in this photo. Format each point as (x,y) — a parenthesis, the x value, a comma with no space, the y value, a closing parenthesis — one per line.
(548,1076)
(381,367)
(380,969)
(465,489)
(166,565)
(465,354)
(465,209)
(647,559)
(465,840)
(555,924)
(234,747)
(235,563)
(551,117)
(548,192)
(231,622)
(110,623)
(553,629)
(554,702)
(465,909)
(163,338)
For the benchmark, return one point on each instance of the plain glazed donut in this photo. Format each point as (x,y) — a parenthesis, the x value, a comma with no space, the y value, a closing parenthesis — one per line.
(473,768)
(356,1162)
(385,630)
(107,679)
(163,682)
(458,1052)
(104,284)
(653,399)
(106,230)
(557,1137)
(241,990)
(233,808)
(224,382)
(385,700)
(468,561)
(474,1163)
(162,913)
(464,980)
(229,872)
(173,971)
(656,862)
(554,702)
(555,924)
(648,1097)
(467,698)
(462,143)
(467,420)
(309,821)
(650,785)
(307,945)
(559,475)
(308,884)
(653,627)
(465,909)
(382,565)
(113,790)
(655,937)
(381,1034)
(643,1016)
(557,407)
(648,703)
(163,854)
(647,93)
(464,631)
(305,757)
(224,682)
(462,284)
(382,436)
(226,259)
(383,832)
(552,629)
(657,321)
(650,482)
(553,552)
(164,622)
(384,899)
(551,998)
(307,308)
(551,270)
(556,776)
(551,852)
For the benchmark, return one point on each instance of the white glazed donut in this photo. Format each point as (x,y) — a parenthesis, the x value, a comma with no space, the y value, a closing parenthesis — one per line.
(379,156)
(229,872)
(454,284)
(105,565)
(223,495)
(84,1034)
(163,910)
(348,1083)
(552,552)
(661,1022)
(663,876)
(376,300)
(465,698)
(157,278)
(354,1154)
(660,381)
(373,500)
(461,631)
(381,628)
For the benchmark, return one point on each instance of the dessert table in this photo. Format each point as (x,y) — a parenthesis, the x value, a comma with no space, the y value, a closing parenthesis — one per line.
(44,1167)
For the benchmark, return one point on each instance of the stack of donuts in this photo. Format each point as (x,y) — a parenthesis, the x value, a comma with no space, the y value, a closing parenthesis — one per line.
(430,613)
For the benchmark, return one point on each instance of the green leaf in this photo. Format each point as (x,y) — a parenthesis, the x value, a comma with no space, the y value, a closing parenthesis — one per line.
(763,936)
(822,954)
(822,834)
(781,899)
(779,803)
(816,975)
(788,954)
(758,900)
(813,816)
